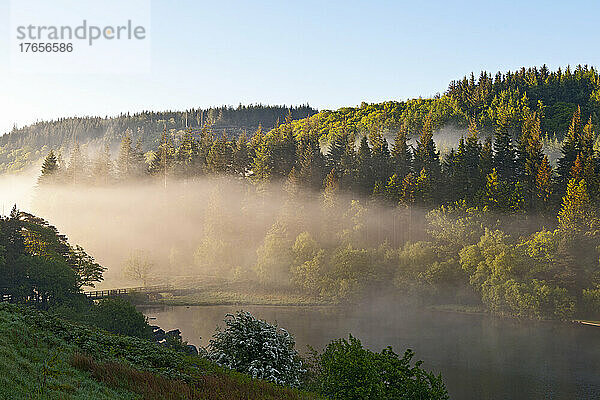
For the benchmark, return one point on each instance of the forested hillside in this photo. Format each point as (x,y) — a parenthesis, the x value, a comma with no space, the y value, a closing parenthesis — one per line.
(24,146)
(500,101)
(491,222)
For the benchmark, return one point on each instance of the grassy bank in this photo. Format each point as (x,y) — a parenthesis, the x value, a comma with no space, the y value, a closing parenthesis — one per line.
(45,357)
(203,292)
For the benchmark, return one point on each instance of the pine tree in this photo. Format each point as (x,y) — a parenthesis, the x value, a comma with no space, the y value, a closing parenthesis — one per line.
(401,155)
(424,188)
(331,192)
(241,155)
(380,155)
(393,189)
(187,155)
(426,156)
(532,156)
(364,168)
(486,159)
(494,196)
(335,153)
(220,155)
(77,171)
(408,195)
(125,157)
(348,168)
(311,162)
(577,169)
(162,163)
(504,152)
(570,148)
(262,162)
(575,209)
(590,159)
(102,168)
(50,169)
(474,181)
(543,185)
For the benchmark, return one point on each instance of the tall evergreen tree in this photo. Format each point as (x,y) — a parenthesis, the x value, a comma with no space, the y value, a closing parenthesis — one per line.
(102,168)
(401,155)
(532,156)
(50,169)
(77,171)
(125,157)
(187,155)
(364,168)
(570,148)
(426,156)
(241,155)
(311,162)
(504,152)
(543,186)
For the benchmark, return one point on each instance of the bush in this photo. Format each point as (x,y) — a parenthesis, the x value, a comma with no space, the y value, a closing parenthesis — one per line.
(119,316)
(349,371)
(257,348)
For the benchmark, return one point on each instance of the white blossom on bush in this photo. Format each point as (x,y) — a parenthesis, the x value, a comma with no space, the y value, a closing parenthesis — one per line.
(257,348)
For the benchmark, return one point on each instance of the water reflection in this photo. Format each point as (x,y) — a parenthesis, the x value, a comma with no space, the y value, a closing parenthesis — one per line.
(480,357)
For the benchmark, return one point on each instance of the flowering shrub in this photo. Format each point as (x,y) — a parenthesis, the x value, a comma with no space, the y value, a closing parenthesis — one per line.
(257,348)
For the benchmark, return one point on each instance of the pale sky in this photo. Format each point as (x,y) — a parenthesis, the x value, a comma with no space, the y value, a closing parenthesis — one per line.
(328,54)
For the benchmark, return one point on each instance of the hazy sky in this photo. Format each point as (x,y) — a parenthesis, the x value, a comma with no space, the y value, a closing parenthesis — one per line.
(326,53)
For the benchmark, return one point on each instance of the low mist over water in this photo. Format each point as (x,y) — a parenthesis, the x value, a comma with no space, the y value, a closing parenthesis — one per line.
(479,357)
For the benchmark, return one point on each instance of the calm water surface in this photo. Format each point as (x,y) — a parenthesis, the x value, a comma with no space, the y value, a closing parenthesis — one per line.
(479,356)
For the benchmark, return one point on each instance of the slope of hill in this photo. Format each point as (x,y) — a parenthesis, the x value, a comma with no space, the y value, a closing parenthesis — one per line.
(500,101)
(45,357)
(22,147)
(492,101)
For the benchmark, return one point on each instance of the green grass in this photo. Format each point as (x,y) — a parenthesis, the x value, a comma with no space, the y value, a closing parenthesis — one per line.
(223,292)
(459,308)
(45,357)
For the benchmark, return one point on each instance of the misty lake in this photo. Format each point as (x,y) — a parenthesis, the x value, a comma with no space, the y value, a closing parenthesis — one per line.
(479,356)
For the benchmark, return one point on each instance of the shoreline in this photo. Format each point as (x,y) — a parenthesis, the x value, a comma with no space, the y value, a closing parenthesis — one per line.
(280,302)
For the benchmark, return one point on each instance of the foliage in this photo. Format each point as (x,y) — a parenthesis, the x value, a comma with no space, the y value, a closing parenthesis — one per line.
(255,347)
(119,316)
(349,371)
(57,359)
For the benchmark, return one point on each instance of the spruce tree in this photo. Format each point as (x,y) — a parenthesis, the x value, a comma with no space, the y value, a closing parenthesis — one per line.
(401,155)
(575,209)
(504,152)
(220,155)
(426,156)
(532,156)
(543,185)
(102,168)
(380,154)
(311,162)
(77,171)
(474,181)
(125,157)
(336,150)
(187,155)
(570,149)
(241,155)
(364,168)
(50,169)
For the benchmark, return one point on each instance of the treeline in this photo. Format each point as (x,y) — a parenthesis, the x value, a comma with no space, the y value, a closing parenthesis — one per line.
(505,228)
(502,173)
(489,100)
(503,99)
(23,146)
